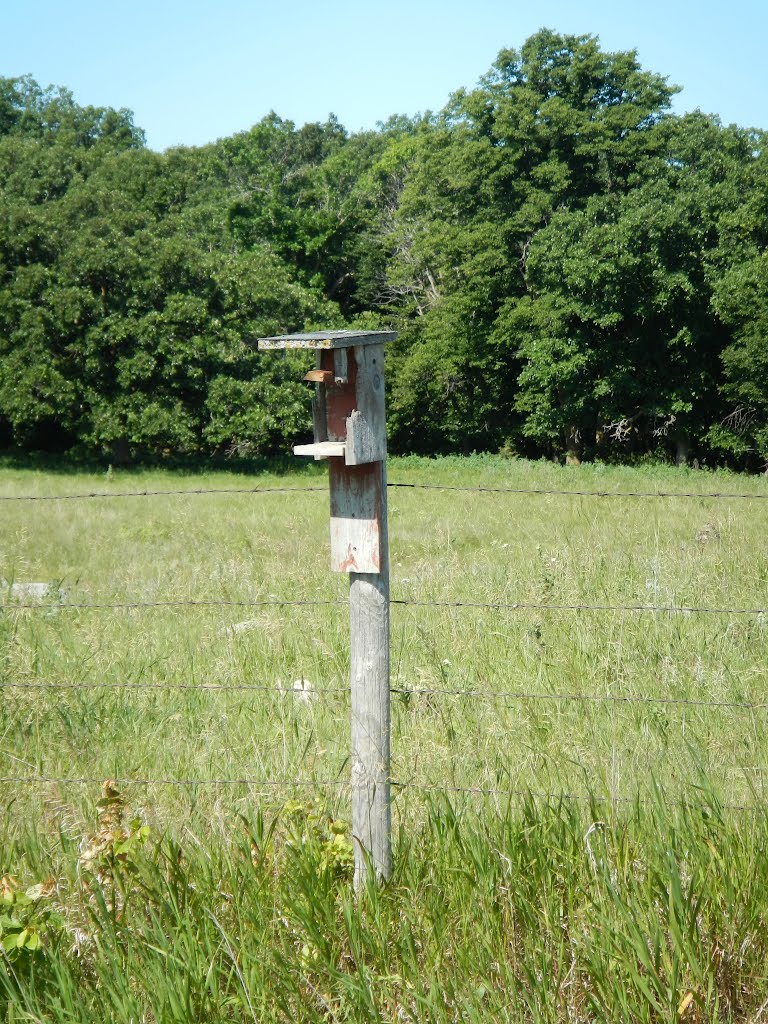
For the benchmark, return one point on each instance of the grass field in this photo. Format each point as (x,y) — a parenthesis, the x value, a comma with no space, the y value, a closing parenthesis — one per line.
(616,868)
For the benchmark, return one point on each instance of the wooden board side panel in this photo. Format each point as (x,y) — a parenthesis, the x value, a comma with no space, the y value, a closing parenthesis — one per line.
(367,430)
(362,445)
(356,517)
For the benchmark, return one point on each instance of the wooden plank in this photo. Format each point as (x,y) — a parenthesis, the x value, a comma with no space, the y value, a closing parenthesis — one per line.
(319,376)
(319,409)
(321,449)
(362,445)
(340,370)
(366,428)
(356,511)
(319,415)
(327,339)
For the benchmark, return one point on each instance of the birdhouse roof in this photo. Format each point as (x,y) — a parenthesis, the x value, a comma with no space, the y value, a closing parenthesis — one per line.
(327,339)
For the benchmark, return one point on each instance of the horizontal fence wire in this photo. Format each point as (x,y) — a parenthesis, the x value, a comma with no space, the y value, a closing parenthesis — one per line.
(31,780)
(490,605)
(716,495)
(578,697)
(310,694)
(580,494)
(534,606)
(129,605)
(553,796)
(302,693)
(557,797)
(153,494)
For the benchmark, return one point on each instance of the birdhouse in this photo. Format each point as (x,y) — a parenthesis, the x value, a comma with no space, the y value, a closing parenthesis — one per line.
(350,431)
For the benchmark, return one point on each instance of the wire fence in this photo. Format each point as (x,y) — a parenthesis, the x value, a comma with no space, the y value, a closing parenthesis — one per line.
(556,797)
(339,691)
(8,605)
(550,491)
(671,609)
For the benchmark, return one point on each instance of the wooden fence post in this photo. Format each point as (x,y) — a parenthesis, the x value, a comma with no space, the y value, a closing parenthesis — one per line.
(350,430)
(369,671)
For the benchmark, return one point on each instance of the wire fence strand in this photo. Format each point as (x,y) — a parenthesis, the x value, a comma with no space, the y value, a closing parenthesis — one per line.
(578,697)
(544,491)
(581,494)
(535,606)
(158,687)
(671,609)
(319,692)
(152,494)
(554,796)
(118,780)
(131,605)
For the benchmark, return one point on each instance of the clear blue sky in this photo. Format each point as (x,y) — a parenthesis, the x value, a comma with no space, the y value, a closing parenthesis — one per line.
(195,71)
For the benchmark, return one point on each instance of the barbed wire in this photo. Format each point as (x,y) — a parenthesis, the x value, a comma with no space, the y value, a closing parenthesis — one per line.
(495,605)
(420,691)
(131,605)
(549,491)
(534,606)
(304,693)
(424,787)
(32,780)
(151,494)
(158,687)
(586,697)
(581,494)
(553,796)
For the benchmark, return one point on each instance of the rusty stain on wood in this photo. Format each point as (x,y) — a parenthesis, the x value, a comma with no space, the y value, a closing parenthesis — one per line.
(340,399)
(350,562)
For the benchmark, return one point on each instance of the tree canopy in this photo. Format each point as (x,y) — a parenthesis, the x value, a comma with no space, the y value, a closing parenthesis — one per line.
(572,270)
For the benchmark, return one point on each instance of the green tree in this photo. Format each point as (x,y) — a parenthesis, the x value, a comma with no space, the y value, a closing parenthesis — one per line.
(619,336)
(738,276)
(47,145)
(128,304)
(549,127)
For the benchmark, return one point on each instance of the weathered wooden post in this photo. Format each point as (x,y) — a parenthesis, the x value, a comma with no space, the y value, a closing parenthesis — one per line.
(350,431)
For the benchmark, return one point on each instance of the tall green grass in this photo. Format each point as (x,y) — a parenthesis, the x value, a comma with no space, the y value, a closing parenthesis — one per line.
(614,870)
(538,912)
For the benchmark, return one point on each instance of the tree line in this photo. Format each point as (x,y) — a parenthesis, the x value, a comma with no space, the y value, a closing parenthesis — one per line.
(573,271)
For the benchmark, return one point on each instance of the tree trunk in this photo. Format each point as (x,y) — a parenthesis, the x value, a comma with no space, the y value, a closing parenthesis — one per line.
(572,453)
(682,448)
